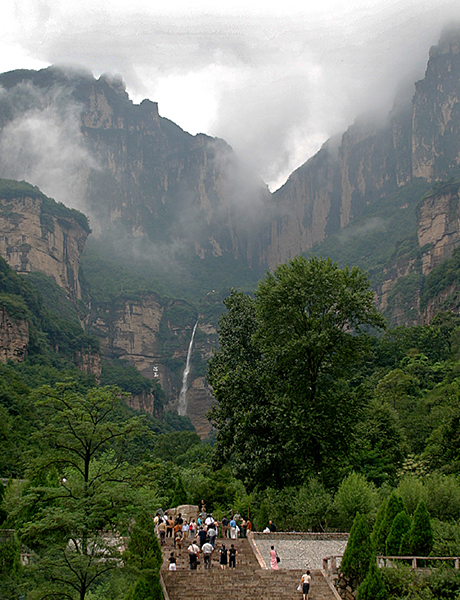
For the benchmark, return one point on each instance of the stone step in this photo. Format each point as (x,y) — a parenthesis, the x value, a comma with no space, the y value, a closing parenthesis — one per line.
(247,582)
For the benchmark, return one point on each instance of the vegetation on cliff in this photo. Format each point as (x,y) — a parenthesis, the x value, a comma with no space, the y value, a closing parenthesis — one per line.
(11,189)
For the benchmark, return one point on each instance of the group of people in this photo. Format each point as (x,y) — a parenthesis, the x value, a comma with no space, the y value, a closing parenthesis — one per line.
(202,533)
(226,556)
(204,526)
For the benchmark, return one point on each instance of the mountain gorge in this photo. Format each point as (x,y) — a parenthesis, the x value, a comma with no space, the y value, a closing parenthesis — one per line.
(177,219)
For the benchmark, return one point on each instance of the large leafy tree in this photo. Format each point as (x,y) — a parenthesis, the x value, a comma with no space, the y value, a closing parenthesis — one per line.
(78,497)
(277,373)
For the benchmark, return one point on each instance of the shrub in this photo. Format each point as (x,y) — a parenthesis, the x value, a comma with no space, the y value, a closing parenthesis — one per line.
(443,497)
(411,490)
(355,495)
(313,505)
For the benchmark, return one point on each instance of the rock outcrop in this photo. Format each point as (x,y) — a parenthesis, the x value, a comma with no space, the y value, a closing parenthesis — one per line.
(439,224)
(14,337)
(89,363)
(32,240)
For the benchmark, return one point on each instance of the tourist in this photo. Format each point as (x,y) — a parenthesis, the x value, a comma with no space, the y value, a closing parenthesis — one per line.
(193,552)
(192,528)
(305,582)
(169,527)
(179,520)
(202,535)
(207,550)
(272,527)
(185,529)
(225,523)
(162,532)
(232,554)
(233,529)
(248,526)
(209,520)
(172,562)
(178,539)
(244,527)
(274,559)
(223,557)
(212,534)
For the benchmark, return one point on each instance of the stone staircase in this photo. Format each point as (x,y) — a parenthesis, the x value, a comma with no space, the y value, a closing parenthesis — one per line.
(247,582)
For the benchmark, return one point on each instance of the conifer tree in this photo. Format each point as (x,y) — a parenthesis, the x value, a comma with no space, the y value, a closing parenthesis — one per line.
(405,547)
(358,553)
(401,526)
(394,506)
(372,588)
(421,534)
(377,525)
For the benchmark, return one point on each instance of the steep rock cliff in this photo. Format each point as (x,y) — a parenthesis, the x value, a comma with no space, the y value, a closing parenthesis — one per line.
(419,139)
(34,239)
(439,224)
(436,112)
(141,174)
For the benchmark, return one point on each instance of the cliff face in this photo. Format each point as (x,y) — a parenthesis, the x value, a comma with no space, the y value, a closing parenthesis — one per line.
(418,140)
(14,337)
(153,334)
(436,113)
(143,175)
(437,236)
(439,225)
(52,245)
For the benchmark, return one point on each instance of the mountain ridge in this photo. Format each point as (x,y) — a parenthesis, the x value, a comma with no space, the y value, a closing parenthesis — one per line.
(184,219)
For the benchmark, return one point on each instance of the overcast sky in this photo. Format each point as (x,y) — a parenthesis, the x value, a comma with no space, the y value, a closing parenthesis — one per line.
(273,79)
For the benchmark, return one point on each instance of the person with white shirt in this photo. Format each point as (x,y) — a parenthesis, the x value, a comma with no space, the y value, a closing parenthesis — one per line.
(305,582)
(193,553)
(207,550)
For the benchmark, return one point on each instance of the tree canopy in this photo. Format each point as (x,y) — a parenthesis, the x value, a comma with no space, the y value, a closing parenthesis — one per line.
(277,375)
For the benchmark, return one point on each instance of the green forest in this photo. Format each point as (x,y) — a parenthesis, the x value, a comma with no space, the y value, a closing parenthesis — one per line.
(326,420)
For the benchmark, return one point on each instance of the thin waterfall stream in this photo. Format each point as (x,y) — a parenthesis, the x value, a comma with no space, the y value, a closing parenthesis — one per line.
(182,408)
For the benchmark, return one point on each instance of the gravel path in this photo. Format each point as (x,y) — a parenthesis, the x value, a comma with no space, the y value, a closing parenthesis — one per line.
(299,553)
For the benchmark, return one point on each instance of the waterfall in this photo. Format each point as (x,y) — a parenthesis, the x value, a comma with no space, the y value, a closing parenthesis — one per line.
(182,408)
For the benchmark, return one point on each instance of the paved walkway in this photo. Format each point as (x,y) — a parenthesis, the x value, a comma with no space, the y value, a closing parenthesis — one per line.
(299,551)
